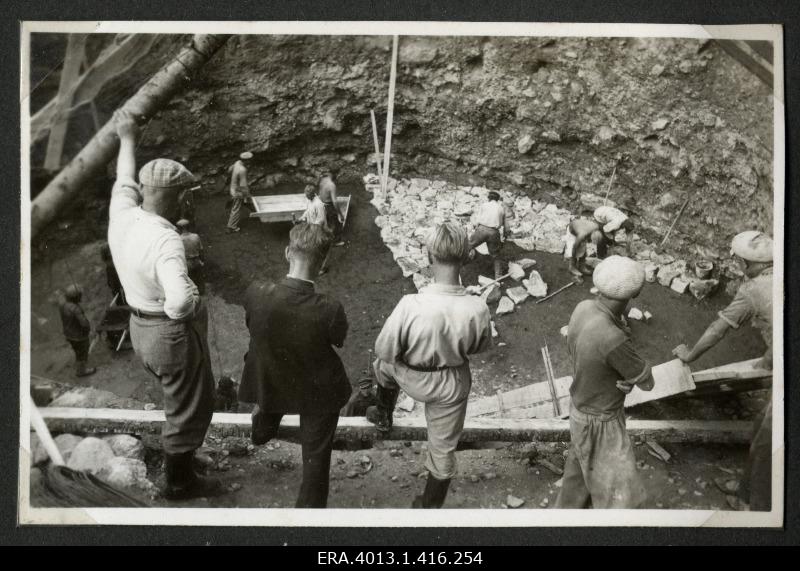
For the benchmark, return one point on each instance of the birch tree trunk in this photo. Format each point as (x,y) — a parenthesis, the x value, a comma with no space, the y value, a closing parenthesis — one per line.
(101,149)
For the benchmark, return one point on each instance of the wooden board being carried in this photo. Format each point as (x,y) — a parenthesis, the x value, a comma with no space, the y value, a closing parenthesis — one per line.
(288,207)
(535,401)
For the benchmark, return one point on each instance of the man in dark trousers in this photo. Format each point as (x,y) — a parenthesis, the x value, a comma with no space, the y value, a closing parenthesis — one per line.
(169,322)
(334,217)
(291,366)
(600,470)
(76,329)
(753,301)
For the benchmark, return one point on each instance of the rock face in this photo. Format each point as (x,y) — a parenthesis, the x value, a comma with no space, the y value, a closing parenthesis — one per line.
(554,121)
(126,446)
(535,285)
(90,455)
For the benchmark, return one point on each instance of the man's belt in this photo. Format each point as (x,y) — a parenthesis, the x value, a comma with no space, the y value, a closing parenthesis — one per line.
(148,314)
(490,227)
(427,369)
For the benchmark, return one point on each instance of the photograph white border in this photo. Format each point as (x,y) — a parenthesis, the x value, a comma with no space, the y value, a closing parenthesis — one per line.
(360,517)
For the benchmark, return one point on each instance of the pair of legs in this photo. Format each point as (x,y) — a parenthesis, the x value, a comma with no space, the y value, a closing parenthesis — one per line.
(316,437)
(490,237)
(176,354)
(600,470)
(236,214)
(332,223)
(81,349)
(576,254)
(444,393)
(756,486)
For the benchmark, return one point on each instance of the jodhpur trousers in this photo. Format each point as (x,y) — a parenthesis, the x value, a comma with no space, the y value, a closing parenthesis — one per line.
(176,354)
(444,394)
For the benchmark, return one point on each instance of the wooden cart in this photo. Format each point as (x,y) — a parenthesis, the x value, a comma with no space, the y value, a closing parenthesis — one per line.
(288,207)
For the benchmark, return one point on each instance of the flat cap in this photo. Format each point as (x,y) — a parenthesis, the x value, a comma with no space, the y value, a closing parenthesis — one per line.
(753,246)
(165,173)
(618,277)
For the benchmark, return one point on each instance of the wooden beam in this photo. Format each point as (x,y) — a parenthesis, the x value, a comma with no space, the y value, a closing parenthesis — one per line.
(358,429)
(733,372)
(145,103)
(387,147)
(70,71)
(749,58)
(112,62)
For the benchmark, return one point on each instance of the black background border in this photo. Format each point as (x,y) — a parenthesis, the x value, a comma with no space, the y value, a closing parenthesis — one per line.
(610,11)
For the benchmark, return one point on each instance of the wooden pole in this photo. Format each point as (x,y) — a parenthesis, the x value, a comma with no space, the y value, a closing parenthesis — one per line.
(387,147)
(664,241)
(70,71)
(610,182)
(548,367)
(359,429)
(558,291)
(100,150)
(377,146)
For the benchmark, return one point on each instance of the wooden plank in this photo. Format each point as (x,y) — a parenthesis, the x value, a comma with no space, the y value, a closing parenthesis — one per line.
(139,422)
(733,371)
(387,146)
(750,59)
(528,396)
(69,75)
(671,378)
(377,146)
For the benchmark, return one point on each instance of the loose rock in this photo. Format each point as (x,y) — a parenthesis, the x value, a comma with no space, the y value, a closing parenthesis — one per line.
(535,285)
(517,294)
(514,502)
(126,446)
(90,455)
(505,306)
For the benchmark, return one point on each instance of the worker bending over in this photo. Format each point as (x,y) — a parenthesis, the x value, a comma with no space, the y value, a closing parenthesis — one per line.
(424,348)
(334,217)
(168,324)
(605,222)
(491,219)
(600,470)
(240,191)
(753,301)
(291,366)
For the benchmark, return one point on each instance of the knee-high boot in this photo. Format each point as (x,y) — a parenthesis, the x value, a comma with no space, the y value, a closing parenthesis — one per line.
(381,415)
(434,494)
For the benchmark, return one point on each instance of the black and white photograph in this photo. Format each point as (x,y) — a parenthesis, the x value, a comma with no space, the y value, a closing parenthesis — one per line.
(511,274)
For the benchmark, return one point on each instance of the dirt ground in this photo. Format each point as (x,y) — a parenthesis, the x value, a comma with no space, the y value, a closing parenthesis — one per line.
(369,283)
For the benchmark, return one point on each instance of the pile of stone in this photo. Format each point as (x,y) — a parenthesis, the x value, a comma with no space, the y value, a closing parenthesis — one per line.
(117,459)
(411,207)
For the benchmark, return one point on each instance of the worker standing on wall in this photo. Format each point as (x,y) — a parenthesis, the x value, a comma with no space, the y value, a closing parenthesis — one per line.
(168,324)
(424,348)
(76,328)
(753,301)
(240,191)
(291,366)
(334,217)
(491,219)
(600,469)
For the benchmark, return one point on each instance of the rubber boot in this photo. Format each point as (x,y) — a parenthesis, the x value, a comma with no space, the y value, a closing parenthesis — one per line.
(182,481)
(81,370)
(381,414)
(434,494)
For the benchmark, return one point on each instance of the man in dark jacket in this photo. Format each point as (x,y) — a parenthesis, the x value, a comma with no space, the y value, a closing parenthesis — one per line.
(291,366)
(76,329)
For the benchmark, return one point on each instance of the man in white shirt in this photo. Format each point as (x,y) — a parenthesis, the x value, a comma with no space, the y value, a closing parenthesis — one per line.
(491,217)
(315,209)
(240,191)
(424,348)
(168,320)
